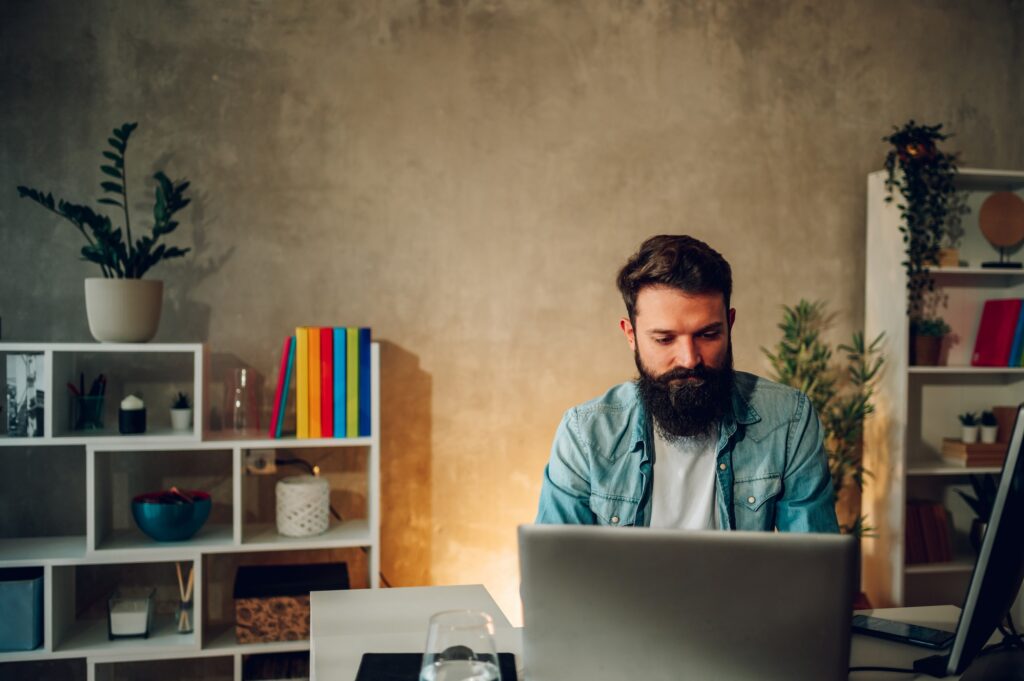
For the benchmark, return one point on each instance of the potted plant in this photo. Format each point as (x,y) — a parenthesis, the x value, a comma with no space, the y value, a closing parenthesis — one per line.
(120,305)
(989,427)
(926,334)
(968,427)
(981,503)
(953,230)
(181,412)
(924,176)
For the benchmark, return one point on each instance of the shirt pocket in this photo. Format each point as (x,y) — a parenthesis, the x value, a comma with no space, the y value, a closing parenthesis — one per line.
(754,501)
(614,511)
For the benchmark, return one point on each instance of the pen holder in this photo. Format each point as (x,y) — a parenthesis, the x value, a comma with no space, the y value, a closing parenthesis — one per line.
(87,413)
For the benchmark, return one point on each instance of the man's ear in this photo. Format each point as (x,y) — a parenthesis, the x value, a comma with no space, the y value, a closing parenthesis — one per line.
(627,329)
(732,317)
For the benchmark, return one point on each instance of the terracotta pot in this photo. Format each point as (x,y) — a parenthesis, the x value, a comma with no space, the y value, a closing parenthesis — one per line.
(123,310)
(925,350)
(949,257)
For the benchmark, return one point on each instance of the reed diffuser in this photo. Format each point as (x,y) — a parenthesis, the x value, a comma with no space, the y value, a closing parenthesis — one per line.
(183,613)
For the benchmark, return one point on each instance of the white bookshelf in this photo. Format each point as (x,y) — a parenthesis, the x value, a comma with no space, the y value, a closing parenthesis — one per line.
(113,463)
(917,406)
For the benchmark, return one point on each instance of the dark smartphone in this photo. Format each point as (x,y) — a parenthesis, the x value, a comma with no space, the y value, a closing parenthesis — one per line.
(925,637)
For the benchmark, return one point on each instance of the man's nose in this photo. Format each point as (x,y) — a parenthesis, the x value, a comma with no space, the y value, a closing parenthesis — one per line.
(686,354)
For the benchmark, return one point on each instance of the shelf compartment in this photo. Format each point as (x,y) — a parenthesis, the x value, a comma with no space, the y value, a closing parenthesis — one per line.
(155,375)
(349,533)
(44,495)
(218,668)
(119,475)
(71,669)
(34,550)
(222,639)
(956,566)
(80,594)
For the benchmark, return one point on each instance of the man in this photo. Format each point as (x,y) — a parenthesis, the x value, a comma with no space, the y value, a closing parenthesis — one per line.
(690,444)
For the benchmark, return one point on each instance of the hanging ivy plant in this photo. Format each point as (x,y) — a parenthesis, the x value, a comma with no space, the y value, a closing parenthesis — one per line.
(924,176)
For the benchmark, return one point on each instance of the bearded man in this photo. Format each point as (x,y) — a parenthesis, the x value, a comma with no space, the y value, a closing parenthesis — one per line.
(691,444)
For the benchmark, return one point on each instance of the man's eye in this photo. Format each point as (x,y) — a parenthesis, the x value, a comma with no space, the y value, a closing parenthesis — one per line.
(711,334)
(662,341)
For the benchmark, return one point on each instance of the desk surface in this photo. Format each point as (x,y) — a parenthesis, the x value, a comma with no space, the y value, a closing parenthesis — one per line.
(346,624)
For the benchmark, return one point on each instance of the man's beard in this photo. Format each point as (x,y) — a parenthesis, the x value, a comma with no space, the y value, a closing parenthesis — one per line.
(687,409)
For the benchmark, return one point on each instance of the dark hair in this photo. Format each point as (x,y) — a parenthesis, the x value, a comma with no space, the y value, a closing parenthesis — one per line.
(675,260)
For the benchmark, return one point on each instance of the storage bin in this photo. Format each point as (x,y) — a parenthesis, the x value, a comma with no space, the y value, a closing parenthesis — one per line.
(272,601)
(21,602)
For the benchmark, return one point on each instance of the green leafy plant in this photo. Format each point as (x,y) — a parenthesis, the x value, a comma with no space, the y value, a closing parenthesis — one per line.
(953,230)
(120,256)
(988,419)
(924,176)
(984,498)
(841,393)
(934,326)
(181,401)
(968,418)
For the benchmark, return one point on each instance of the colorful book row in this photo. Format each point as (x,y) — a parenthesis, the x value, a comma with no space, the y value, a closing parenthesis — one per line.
(1000,339)
(331,369)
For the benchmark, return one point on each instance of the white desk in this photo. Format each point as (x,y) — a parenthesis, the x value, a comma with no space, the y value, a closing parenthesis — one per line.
(346,624)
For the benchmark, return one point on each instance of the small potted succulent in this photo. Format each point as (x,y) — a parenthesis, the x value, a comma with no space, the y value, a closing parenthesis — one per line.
(927,335)
(121,306)
(181,412)
(981,503)
(989,427)
(968,427)
(953,230)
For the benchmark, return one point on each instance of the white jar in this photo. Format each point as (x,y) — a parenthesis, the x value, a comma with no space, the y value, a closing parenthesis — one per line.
(303,506)
(988,434)
(969,434)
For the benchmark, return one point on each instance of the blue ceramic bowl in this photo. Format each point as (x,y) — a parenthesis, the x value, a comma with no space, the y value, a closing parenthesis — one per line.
(166,516)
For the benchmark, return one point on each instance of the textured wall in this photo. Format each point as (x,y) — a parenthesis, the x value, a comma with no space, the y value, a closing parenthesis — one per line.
(466,177)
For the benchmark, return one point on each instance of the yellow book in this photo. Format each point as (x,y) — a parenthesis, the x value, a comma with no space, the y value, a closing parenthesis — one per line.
(352,381)
(302,382)
(314,382)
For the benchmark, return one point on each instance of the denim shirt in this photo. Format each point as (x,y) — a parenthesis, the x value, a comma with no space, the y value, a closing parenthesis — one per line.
(772,469)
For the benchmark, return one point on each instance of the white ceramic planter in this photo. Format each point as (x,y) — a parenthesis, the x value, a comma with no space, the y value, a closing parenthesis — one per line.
(181,419)
(969,434)
(123,310)
(988,434)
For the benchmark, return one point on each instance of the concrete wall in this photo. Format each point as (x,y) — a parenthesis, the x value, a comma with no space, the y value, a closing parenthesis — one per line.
(466,177)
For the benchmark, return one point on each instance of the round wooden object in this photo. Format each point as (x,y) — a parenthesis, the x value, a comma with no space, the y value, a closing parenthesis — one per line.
(1001,219)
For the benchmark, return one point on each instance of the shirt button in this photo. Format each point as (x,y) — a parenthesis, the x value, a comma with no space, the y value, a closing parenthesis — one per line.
(722,466)
(615,520)
(751,500)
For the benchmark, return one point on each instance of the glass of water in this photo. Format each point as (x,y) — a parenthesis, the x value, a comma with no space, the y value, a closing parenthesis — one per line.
(460,647)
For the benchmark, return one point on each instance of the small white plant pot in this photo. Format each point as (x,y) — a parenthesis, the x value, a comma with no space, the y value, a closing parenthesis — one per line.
(988,434)
(969,434)
(181,419)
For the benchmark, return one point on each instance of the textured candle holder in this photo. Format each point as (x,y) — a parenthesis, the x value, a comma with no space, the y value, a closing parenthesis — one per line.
(303,506)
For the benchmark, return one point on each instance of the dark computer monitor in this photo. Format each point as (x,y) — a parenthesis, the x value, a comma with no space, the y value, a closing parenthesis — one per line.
(999,569)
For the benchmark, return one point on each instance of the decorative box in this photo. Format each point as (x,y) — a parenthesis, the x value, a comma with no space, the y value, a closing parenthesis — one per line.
(272,601)
(21,602)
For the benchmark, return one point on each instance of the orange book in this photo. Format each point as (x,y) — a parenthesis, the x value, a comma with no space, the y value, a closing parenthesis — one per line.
(326,382)
(302,382)
(314,382)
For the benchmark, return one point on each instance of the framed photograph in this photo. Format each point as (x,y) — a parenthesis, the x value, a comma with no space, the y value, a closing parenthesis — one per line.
(25,392)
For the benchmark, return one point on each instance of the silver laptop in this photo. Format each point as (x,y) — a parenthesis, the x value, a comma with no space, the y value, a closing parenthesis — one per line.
(614,604)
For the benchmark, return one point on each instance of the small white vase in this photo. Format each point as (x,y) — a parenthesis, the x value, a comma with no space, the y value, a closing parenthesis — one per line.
(123,310)
(181,419)
(988,434)
(969,434)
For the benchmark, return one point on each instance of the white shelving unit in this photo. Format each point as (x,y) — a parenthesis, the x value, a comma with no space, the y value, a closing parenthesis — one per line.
(917,406)
(102,535)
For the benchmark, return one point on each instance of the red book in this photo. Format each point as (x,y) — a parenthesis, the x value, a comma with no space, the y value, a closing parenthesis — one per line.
(998,325)
(279,394)
(326,381)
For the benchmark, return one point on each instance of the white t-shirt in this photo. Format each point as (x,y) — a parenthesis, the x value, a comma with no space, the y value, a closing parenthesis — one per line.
(685,483)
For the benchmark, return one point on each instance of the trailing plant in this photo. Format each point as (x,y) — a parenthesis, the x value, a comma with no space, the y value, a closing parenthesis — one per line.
(181,401)
(120,256)
(841,393)
(924,176)
(953,230)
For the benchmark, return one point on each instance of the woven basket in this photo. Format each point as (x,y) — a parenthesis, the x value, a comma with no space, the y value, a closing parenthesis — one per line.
(303,506)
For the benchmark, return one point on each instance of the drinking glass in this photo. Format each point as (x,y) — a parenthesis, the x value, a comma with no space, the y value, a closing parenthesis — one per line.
(460,647)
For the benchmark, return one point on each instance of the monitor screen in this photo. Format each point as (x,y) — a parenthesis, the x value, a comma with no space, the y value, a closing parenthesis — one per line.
(999,569)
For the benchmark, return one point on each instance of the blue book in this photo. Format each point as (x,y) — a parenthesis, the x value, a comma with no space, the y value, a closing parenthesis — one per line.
(339,381)
(364,381)
(289,363)
(1018,340)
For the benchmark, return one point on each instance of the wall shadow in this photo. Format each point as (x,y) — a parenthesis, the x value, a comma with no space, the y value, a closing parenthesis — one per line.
(406,455)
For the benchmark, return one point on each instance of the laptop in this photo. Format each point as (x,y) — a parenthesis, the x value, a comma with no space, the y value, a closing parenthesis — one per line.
(602,603)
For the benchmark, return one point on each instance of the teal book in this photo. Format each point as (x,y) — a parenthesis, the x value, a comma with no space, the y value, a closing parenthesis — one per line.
(340,381)
(364,382)
(283,384)
(1018,340)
